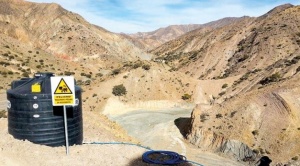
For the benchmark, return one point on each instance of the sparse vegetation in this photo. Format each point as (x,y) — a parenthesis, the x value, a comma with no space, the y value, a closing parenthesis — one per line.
(99,75)
(3,114)
(255,132)
(273,78)
(116,72)
(204,117)
(219,115)
(232,114)
(119,90)
(186,96)
(224,86)
(256,151)
(298,69)
(25,74)
(68,73)
(222,93)
(146,67)
(137,65)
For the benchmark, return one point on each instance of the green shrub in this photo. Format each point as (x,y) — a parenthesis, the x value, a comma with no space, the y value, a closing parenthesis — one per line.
(222,93)
(219,115)
(186,97)
(116,72)
(87,82)
(232,114)
(146,67)
(88,75)
(25,74)
(255,132)
(256,151)
(3,114)
(224,86)
(68,73)
(99,75)
(137,65)
(273,78)
(298,69)
(203,117)
(119,90)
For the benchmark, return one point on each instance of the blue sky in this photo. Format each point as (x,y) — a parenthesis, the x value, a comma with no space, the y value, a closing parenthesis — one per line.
(131,16)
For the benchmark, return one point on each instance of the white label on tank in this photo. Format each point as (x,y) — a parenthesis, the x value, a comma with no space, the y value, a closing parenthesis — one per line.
(8,104)
(35,97)
(76,102)
(35,106)
(36,115)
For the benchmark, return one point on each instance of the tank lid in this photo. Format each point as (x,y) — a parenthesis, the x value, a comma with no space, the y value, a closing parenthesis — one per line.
(43,74)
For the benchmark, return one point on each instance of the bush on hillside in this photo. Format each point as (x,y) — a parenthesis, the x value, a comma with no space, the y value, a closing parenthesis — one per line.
(119,90)
(273,78)
(25,74)
(146,67)
(224,86)
(186,97)
(137,65)
(298,69)
(3,114)
(116,72)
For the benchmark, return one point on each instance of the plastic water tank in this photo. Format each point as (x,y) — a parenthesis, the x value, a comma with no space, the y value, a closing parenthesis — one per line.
(32,117)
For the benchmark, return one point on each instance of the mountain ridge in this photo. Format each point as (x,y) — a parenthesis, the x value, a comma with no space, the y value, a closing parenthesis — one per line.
(241,72)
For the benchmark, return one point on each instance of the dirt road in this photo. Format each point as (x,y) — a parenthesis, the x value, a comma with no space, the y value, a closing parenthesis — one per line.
(160,130)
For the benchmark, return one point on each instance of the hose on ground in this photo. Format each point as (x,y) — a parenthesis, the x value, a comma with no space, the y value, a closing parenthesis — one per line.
(163,157)
(154,156)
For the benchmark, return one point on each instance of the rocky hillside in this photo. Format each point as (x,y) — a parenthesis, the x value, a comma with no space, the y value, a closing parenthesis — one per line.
(251,47)
(63,33)
(261,122)
(248,74)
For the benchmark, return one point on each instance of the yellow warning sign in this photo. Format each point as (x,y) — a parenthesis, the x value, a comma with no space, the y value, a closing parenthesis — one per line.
(62,88)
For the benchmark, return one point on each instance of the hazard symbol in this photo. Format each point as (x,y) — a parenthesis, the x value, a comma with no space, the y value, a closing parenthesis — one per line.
(62,88)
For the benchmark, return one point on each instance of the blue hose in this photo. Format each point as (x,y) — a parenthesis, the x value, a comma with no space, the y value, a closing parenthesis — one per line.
(163,157)
(117,143)
(153,156)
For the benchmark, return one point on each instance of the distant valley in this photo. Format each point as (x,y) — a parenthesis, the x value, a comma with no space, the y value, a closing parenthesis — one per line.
(241,74)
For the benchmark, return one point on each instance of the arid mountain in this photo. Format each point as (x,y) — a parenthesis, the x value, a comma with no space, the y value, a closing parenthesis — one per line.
(243,73)
(151,40)
(60,32)
(257,60)
(261,46)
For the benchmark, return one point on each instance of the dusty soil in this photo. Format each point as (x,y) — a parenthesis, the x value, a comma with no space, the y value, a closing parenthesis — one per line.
(163,130)
(18,152)
(159,133)
(96,128)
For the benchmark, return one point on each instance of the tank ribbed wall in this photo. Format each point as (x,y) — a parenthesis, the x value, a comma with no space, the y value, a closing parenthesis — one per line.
(32,116)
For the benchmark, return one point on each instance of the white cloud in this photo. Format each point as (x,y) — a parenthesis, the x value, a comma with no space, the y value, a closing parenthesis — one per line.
(131,16)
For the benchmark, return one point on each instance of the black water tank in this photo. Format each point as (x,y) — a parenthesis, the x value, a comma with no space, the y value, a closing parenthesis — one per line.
(31,115)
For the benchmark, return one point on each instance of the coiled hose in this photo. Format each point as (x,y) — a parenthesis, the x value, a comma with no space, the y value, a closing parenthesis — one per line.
(154,156)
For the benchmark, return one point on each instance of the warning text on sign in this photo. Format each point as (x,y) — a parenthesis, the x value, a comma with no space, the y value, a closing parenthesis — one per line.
(63,100)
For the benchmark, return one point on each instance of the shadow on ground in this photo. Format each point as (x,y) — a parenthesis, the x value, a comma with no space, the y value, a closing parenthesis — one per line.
(183,124)
(139,162)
